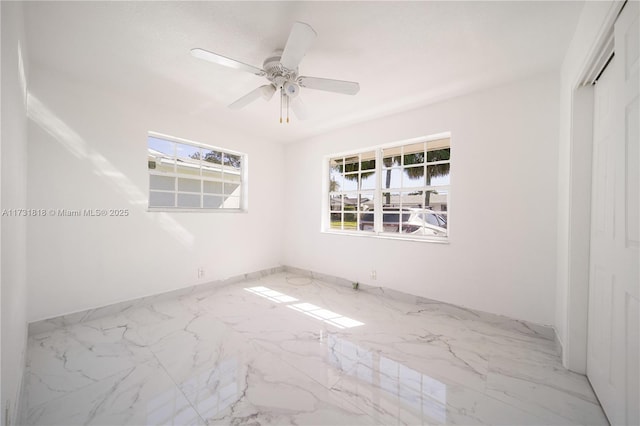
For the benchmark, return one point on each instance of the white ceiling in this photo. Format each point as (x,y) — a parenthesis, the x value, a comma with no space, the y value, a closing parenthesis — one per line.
(403,54)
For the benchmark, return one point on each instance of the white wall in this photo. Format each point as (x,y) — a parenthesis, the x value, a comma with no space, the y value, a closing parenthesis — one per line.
(13,196)
(88,149)
(574,164)
(502,252)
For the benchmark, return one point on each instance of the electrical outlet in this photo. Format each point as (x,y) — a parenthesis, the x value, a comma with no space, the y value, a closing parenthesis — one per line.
(374,274)
(200,272)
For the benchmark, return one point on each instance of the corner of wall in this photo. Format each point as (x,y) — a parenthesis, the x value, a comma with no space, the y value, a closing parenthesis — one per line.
(13,271)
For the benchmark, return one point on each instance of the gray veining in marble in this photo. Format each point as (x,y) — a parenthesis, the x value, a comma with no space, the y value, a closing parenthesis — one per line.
(49,324)
(290,348)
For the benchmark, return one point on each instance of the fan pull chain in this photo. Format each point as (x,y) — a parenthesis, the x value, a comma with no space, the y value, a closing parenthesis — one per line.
(281,95)
(287,110)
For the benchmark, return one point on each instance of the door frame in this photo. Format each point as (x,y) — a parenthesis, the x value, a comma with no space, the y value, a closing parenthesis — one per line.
(574,351)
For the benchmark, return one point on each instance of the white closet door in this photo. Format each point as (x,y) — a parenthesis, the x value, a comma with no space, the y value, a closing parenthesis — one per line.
(614,283)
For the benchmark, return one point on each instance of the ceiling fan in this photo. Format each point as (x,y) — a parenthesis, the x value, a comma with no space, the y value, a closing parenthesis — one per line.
(281,69)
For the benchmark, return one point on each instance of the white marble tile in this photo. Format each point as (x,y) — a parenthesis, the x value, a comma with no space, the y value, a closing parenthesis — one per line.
(544,388)
(257,387)
(288,348)
(67,359)
(398,395)
(143,394)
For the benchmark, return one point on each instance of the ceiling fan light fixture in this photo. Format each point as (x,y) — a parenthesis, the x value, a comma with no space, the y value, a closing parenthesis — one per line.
(281,69)
(291,89)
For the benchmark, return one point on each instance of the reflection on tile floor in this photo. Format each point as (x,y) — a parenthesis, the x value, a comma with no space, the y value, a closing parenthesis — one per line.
(287,349)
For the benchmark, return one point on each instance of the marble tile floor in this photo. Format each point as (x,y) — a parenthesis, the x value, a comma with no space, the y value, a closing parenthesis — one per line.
(289,349)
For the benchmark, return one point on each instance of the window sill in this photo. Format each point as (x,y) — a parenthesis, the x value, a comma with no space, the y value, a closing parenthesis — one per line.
(388,236)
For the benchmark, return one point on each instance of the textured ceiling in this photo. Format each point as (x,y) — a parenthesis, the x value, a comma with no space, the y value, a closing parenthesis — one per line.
(403,54)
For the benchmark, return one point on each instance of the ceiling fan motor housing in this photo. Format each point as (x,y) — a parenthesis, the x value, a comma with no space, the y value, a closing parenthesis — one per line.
(279,75)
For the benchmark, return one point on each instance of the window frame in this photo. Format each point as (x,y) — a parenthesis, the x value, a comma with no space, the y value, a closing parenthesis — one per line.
(243,184)
(378,231)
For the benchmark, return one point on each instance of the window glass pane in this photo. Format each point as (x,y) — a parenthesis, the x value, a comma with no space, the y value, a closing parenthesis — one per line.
(391,178)
(214,157)
(212,202)
(162,182)
(160,146)
(189,185)
(211,171)
(438,174)
(161,199)
(231,188)
(368,161)
(390,199)
(414,154)
(336,221)
(232,177)
(164,165)
(350,203)
(189,171)
(438,144)
(367,221)
(436,219)
(351,164)
(188,200)
(366,201)
(188,159)
(413,199)
(335,203)
(391,220)
(438,155)
(427,223)
(351,182)
(437,200)
(336,164)
(368,180)
(212,187)
(413,177)
(232,203)
(161,154)
(232,160)
(350,220)
(336,181)
(391,157)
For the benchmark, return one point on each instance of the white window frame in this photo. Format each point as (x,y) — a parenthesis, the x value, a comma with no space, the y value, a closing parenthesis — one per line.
(378,231)
(243,196)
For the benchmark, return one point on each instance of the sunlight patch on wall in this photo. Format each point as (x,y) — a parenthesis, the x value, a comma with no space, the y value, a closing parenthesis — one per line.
(72,142)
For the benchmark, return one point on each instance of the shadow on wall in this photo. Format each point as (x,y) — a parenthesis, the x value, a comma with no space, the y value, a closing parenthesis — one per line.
(72,142)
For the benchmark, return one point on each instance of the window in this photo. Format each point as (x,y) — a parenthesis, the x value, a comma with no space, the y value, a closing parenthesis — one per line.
(400,189)
(186,175)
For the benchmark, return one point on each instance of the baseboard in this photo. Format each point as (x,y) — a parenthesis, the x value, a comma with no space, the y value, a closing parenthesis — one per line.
(559,345)
(78,317)
(543,331)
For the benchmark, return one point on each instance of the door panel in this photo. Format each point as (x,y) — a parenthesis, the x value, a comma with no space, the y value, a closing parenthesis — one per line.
(614,282)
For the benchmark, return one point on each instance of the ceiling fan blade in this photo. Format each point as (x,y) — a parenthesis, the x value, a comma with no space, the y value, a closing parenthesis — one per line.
(227,62)
(261,91)
(300,39)
(299,108)
(329,85)
(267,91)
